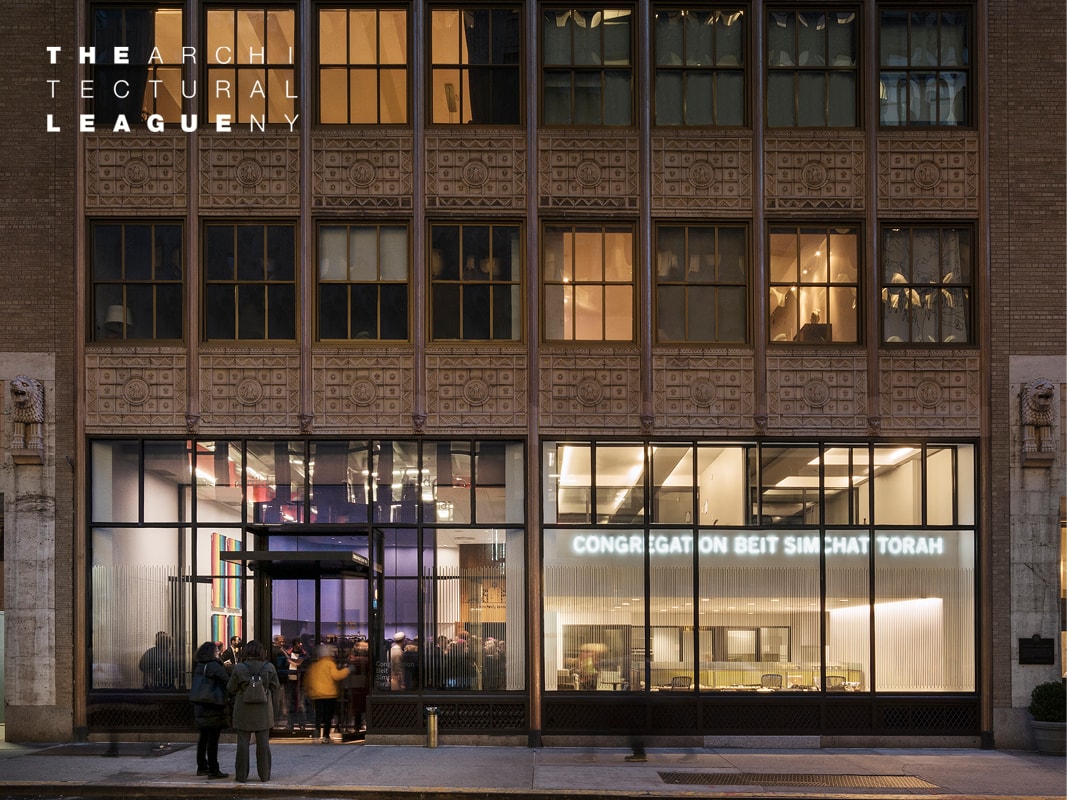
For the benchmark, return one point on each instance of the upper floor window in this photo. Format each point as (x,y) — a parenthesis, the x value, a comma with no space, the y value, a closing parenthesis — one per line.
(250,57)
(812,69)
(700,75)
(814,283)
(250,281)
(475,282)
(588,282)
(363,66)
(588,66)
(152,81)
(475,75)
(927,279)
(363,282)
(137,270)
(924,58)
(700,283)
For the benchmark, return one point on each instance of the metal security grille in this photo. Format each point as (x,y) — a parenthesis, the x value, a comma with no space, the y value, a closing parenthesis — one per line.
(796,779)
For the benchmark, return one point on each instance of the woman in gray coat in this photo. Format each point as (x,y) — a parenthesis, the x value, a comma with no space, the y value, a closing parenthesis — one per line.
(257,718)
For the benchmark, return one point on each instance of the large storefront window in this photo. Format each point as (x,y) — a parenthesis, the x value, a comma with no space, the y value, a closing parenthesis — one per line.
(405,558)
(809,575)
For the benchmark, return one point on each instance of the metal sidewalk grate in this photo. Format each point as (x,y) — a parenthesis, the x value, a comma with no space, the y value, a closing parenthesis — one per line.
(795,779)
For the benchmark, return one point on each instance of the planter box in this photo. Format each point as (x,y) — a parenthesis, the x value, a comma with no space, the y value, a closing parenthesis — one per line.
(1050,737)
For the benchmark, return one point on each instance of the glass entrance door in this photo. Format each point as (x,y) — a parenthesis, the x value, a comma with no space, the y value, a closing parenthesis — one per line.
(327,616)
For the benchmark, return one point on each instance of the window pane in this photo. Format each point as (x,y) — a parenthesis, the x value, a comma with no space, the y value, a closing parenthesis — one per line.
(924,611)
(780,99)
(591,645)
(619,322)
(848,619)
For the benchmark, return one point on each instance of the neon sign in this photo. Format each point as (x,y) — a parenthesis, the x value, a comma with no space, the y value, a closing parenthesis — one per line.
(755,544)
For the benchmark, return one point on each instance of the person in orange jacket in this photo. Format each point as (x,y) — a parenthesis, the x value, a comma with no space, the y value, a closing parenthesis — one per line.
(320,686)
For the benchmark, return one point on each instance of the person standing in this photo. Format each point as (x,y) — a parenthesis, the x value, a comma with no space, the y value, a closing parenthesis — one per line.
(253,717)
(210,718)
(320,686)
(159,664)
(232,654)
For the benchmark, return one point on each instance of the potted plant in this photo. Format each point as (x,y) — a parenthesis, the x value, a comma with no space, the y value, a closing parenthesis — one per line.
(1048,707)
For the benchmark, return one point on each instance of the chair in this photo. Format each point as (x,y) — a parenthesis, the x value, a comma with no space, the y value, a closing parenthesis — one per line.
(771,680)
(681,683)
(608,680)
(835,683)
(565,681)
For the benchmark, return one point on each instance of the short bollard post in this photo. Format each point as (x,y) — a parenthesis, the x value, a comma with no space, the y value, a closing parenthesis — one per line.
(431,726)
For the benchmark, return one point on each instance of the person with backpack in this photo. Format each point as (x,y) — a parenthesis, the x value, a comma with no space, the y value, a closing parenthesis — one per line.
(208,695)
(255,688)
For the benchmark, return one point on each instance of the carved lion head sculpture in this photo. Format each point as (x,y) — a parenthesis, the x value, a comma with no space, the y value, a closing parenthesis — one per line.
(27,394)
(1037,402)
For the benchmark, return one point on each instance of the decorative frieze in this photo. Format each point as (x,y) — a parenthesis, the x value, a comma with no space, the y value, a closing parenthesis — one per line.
(135,172)
(700,173)
(817,393)
(487,171)
(132,390)
(364,171)
(246,172)
(591,171)
(585,390)
(814,172)
(919,175)
(466,390)
(363,393)
(703,392)
(924,392)
(250,390)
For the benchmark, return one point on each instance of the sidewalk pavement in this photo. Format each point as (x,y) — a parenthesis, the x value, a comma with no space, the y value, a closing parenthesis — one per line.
(370,772)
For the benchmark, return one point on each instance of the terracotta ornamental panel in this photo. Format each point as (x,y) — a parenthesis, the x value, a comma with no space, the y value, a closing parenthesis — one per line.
(917,175)
(586,390)
(814,172)
(588,171)
(703,392)
(485,171)
(927,391)
(363,392)
(142,389)
(363,171)
(817,393)
(466,390)
(244,389)
(261,172)
(135,172)
(699,172)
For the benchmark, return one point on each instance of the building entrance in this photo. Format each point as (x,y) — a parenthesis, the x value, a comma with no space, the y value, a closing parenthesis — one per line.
(323,594)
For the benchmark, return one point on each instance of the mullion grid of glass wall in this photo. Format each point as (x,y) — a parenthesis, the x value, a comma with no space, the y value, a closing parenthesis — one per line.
(163,513)
(787,557)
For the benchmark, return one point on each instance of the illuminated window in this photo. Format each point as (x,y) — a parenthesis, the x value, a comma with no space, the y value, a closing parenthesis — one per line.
(152,81)
(924,58)
(250,285)
(250,57)
(701,275)
(588,66)
(700,58)
(814,284)
(588,283)
(475,76)
(363,72)
(137,270)
(812,69)
(926,284)
(476,275)
(363,282)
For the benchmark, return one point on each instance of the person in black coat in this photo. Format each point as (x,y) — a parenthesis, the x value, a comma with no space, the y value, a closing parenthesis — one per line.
(210,718)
